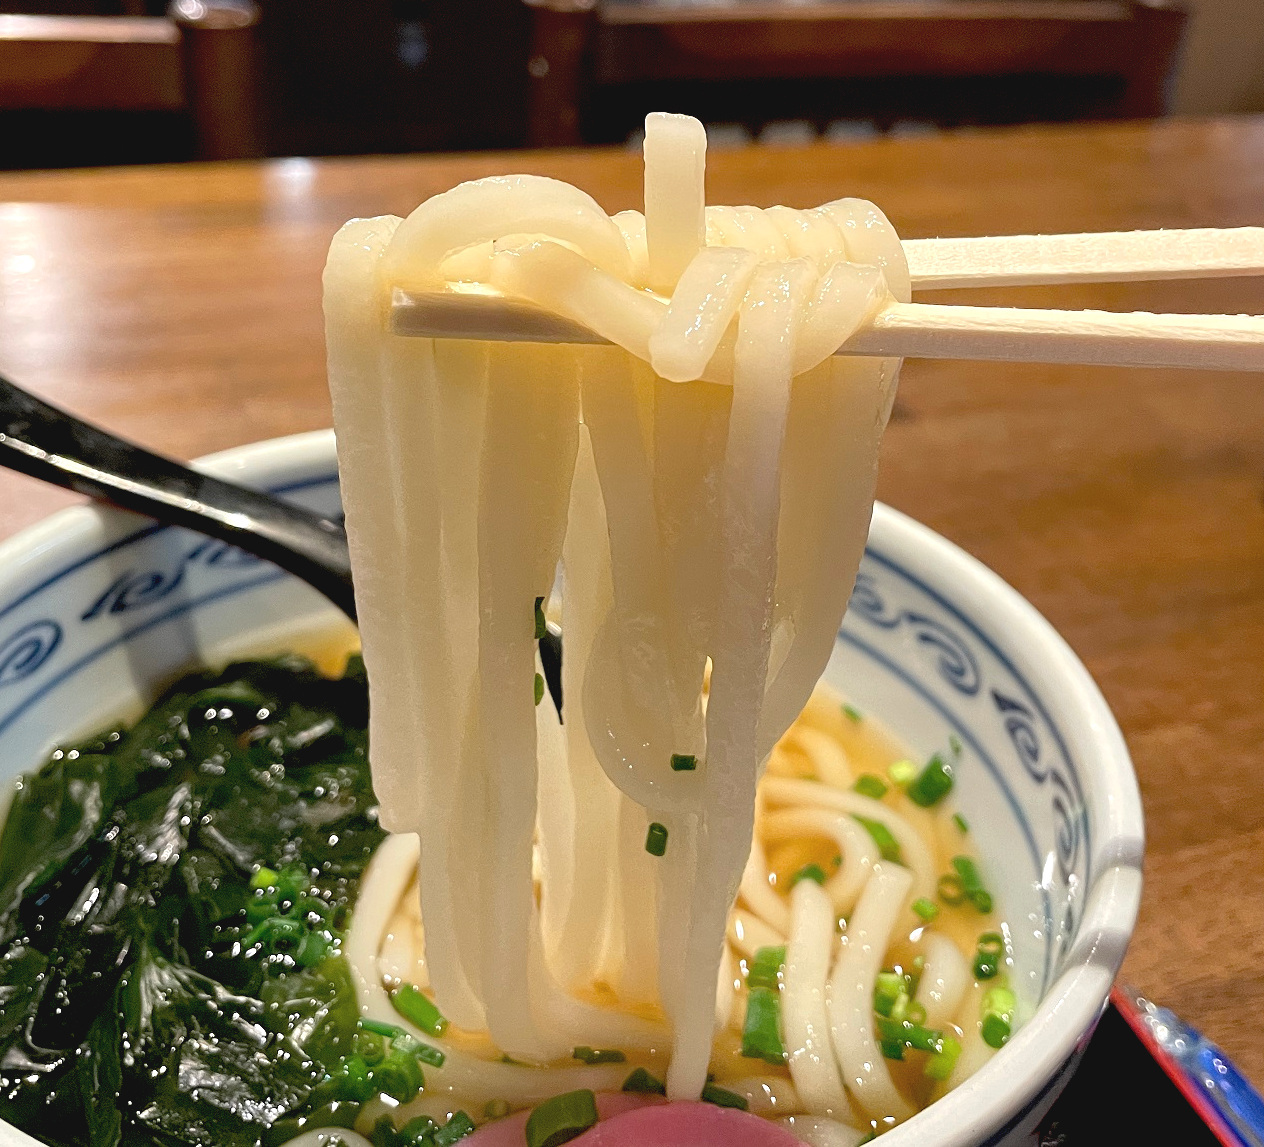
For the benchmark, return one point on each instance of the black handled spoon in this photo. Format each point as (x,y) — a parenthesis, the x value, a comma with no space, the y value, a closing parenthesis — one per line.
(47,443)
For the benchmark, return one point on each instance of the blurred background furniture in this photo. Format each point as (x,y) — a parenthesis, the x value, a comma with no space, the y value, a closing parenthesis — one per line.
(188,78)
(105,82)
(596,66)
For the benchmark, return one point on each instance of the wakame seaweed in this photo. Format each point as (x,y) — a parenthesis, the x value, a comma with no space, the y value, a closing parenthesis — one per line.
(172,898)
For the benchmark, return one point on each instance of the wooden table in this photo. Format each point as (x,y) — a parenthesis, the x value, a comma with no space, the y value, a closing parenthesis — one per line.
(181,307)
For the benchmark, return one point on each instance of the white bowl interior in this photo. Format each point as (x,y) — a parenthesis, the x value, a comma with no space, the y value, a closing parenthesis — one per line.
(100,609)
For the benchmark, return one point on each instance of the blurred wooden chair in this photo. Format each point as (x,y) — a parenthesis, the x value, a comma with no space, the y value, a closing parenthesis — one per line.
(1121,51)
(199,59)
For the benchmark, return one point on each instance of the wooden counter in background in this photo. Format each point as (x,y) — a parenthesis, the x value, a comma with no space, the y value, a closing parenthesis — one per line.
(181,307)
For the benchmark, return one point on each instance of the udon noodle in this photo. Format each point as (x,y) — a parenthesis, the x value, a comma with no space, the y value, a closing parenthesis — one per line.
(704,485)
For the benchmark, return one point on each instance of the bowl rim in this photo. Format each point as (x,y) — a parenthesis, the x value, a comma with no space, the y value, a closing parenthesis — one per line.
(1009,1087)
(982,1108)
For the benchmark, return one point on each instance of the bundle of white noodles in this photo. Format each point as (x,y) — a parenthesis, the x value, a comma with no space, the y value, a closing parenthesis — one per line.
(706,484)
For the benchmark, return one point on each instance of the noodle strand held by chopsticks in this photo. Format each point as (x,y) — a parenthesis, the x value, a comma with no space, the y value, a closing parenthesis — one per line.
(706,484)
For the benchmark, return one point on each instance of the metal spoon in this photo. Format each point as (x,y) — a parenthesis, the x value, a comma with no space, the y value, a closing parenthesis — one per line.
(43,442)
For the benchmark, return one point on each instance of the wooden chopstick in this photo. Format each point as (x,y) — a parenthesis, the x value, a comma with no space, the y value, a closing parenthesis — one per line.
(1111,256)
(908,330)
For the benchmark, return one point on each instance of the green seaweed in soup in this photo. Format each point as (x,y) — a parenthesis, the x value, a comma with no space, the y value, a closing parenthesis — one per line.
(172,900)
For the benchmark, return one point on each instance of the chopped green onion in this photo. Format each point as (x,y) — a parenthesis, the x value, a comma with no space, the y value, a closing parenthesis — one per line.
(972,884)
(911,1035)
(932,784)
(495,1109)
(891,1048)
(887,990)
(641,1081)
(987,957)
(539,688)
(399,1076)
(418,1132)
(598,1055)
(561,1119)
(418,1009)
(722,1097)
(761,1032)
(808,872)
(940,1065)
(902,773)
(870,786)
(954,743)
(950,890)
(377,1027)
(853,714)
(914,976)
(915,1013)
(384,1133)
(352,1079)
(683,762)
(765,968)
(368,1046)
(430,1055)
(887,844)
(264,878)
(960,822)
(458,1127)
(926,909)
(999,1005)
(656,839)
(541,626)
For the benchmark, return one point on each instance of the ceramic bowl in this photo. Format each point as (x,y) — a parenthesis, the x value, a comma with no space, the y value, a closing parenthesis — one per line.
(99,609)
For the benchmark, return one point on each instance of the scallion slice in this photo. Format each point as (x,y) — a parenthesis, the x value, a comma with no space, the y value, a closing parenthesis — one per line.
(999,1005)
(925,909)
(430,1055)
(867,785)
(887,844)
(722,1097)
(539,688)
(961,823)
(853,714)
(887,990)
(972,883)
(399,1076)
(683,762)
(656,839)
(808,872)
(761,1031)
(561,1119)
(911,1035)
(598,1055)
(902,773)
(458,1127)
(642,1082)
(932,784)
(988,955)
(765,968)
(418,1009)
(377,1027)
(418,1132)
(940,1065)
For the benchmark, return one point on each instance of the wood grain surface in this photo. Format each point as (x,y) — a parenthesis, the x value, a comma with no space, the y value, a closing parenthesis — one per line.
(181,307)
